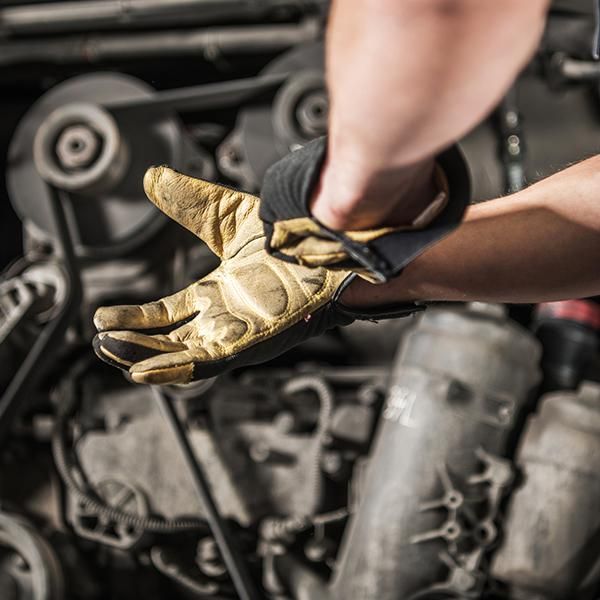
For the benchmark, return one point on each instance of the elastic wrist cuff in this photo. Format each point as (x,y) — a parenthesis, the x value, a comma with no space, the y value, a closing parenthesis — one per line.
(295,236)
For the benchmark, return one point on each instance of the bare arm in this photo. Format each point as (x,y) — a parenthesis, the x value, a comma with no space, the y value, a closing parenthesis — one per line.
(537,245)
(405,79)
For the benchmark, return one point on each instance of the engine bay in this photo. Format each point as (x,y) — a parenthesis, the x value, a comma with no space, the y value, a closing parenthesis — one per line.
(453,454)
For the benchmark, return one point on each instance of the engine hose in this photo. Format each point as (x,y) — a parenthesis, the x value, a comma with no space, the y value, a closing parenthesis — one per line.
(318,385)
(148,524)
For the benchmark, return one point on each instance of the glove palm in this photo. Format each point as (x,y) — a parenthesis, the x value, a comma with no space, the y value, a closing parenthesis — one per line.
(251,308)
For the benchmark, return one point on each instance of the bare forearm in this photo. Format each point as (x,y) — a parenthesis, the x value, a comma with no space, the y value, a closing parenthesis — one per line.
(406,78)
(537,245)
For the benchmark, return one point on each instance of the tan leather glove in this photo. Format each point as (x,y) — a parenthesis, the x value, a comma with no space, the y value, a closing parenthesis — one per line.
(295,236)
(251,308)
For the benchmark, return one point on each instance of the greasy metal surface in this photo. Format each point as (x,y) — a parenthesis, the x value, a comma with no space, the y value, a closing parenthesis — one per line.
(552,525)
(228,545)
(120,217)
(284,466)
(28,565)
(457,383)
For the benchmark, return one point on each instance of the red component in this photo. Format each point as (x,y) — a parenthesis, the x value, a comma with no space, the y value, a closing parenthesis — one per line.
(584,312)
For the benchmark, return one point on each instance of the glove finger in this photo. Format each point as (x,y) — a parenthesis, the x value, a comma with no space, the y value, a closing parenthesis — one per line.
(125,348)
(166,311)
(176,367)
(212,212)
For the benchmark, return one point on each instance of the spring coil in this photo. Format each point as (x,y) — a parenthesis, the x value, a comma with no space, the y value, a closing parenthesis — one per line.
(148,524)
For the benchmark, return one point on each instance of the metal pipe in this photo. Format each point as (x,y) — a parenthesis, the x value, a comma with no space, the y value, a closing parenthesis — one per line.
(574,69)
(210,43)
(93,15)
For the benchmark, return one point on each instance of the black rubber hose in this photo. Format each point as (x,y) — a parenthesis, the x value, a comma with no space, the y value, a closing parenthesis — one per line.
(230,552)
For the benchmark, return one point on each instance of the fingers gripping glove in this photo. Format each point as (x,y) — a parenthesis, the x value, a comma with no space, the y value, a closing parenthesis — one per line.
(251,308)
(293,235)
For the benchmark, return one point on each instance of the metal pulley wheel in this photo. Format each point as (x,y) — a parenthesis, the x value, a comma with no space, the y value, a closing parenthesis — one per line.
(29,568)
(265,132)
(97,157)
(300,109)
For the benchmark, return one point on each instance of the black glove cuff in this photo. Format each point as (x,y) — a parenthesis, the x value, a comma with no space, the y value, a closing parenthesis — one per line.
(287,189)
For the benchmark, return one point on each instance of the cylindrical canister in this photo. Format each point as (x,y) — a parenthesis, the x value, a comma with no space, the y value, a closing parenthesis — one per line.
(458,380)
(551,545)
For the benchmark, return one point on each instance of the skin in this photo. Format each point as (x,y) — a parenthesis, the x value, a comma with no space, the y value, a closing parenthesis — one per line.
(406,78)
(540,244)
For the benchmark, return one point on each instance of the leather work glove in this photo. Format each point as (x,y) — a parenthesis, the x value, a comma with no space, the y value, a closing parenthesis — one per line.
(295,236)
(251,308)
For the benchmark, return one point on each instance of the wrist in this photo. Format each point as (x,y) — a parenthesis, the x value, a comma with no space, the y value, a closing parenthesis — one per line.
(363,294)
(355,195)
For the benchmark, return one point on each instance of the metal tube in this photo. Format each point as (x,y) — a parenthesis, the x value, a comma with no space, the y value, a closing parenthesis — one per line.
(92,15)
(209,42)
(576,70)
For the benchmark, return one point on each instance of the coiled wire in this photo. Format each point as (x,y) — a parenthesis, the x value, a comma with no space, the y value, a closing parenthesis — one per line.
(65,466)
